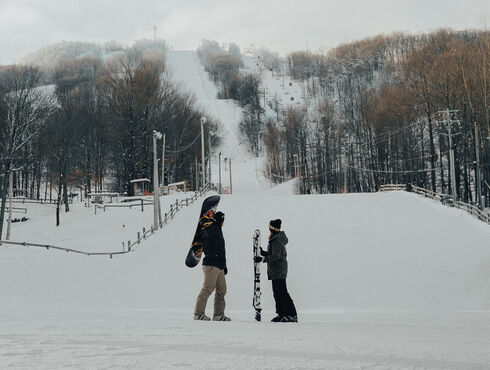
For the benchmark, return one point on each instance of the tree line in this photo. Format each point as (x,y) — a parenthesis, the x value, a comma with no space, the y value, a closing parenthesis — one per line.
(87,124)
(387,110)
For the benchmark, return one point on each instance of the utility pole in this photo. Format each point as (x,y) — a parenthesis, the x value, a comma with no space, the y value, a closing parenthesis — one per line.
(219,169)
(452,169)
(209,160)
(156,135)
(344,171)
(197,175)
(296,171)
(163,162)
(345,181)
(477,174)
(203,120)
(294,165)
(231,184)
(11,193)
(388,160)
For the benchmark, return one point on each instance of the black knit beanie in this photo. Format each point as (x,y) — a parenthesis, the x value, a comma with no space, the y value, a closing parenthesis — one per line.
(219,217)
(275,225)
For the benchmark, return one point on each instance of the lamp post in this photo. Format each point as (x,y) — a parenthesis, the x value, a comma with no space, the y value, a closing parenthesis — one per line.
(219,170)
(209,160)
(163,162)
(156,135)
(296,172)
(231,183)
(11,194)
(203,121)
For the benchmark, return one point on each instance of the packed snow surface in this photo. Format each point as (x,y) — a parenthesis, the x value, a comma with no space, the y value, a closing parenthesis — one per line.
(380,281)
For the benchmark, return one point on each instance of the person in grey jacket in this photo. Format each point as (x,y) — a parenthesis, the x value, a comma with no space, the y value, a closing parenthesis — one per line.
(277,270)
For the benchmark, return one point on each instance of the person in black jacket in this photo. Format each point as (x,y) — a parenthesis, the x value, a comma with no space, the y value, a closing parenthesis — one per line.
(277,270)
(213,266)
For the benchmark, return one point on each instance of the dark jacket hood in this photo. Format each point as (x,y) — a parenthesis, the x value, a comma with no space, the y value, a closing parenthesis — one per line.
(281,236)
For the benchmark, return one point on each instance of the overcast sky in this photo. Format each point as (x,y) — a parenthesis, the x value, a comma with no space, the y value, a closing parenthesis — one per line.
(281,25)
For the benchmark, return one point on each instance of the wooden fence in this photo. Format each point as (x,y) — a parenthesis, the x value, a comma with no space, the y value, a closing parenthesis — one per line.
(25,200)
(443,198)
(141,203)
(140,236)
(17,209)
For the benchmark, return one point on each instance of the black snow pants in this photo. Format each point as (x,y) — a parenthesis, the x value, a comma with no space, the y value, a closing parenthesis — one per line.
(284,303)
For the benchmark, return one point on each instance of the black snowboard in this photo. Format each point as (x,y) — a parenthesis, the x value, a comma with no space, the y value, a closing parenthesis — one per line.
(257,293)
(195,251)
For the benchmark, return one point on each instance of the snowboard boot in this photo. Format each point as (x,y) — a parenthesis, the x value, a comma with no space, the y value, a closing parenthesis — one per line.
(221,318)
(202,317)
(278,318)
(289,319)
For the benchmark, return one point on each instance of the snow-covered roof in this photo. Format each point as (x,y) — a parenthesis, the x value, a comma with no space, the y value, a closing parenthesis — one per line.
(139,180)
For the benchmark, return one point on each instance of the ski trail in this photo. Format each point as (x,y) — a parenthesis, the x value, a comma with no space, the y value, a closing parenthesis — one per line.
(187,72)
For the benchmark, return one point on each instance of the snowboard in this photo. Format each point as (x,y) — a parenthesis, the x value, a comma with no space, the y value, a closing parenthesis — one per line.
(195,251)
(257,293)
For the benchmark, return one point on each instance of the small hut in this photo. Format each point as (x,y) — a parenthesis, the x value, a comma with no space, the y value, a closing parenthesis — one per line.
(140,186)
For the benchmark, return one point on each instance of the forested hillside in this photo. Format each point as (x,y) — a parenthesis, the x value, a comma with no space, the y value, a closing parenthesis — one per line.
(85,121)
(375,111)
(386,109)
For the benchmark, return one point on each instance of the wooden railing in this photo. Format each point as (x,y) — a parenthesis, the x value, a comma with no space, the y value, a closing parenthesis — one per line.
(17,209)
(475,211)
(174,209)
(140,236)
(141,203)
(443,198)
(392,187)
(25,200)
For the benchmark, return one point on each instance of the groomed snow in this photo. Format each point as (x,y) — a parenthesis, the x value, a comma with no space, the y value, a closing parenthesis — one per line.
(370,292)
(381,281)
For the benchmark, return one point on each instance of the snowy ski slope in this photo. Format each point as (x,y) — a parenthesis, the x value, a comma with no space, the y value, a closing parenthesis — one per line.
(381,281)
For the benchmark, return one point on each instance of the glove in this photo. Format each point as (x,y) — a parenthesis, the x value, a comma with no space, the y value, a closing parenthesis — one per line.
(226,270)
(219,217)
(258,259)
(263,252)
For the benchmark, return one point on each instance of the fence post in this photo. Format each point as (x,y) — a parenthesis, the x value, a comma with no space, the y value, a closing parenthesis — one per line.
(176,205)
(129,245)
(144,233)
(138,237)
(142,207)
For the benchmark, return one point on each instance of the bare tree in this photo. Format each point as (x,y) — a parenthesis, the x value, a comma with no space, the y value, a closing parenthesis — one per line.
(23,109)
